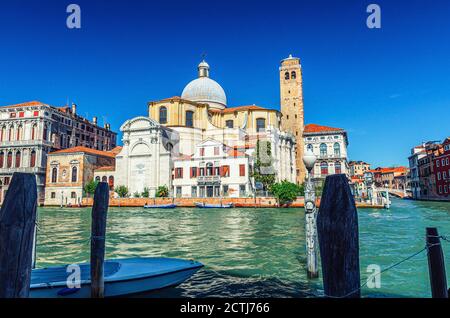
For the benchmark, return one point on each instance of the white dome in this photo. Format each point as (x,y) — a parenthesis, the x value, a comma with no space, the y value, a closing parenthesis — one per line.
(205,90)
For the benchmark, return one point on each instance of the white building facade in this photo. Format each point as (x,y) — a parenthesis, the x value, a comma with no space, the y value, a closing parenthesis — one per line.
(329,145)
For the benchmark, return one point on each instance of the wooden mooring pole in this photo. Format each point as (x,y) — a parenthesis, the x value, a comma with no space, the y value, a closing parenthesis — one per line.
(17,227)
(98,236)
(337,226)
(436,264)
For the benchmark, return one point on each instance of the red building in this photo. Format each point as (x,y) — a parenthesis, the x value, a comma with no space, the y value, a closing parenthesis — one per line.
(441,164)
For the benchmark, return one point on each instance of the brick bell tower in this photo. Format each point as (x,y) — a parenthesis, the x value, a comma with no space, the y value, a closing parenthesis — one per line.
(291,94)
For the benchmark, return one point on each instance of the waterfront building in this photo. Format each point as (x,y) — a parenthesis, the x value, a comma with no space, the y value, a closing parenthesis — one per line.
(69,170)
(214,170)
(329,145)
(417,153)
(441,163)
(427,169)
(357,168)
(391,177)
(29,131)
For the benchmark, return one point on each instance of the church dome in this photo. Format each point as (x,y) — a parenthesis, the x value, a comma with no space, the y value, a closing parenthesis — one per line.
(205,90)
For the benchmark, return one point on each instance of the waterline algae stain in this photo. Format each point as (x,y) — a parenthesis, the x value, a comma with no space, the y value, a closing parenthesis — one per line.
(250,252)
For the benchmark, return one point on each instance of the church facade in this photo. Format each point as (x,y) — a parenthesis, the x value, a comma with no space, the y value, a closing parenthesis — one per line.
(198,146)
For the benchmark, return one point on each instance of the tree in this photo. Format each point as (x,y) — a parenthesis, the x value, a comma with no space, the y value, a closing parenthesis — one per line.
(89,188)
(136,195)
(162,192)
(146,193)
(285,192)
(122,191)
(263,170)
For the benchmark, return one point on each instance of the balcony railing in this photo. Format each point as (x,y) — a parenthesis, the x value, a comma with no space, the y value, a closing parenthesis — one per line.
(22,169)
(208,179)
(16,143)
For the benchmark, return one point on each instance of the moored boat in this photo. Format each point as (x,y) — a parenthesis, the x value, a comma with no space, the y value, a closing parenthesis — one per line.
(122,277)
(214,206)
(160,206)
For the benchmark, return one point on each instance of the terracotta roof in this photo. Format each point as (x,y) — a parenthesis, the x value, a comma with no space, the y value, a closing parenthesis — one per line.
(116,150)
(389,170)
(235,153)
(183,157)
(314,128)
(106,168)
(85,150)
(26,104)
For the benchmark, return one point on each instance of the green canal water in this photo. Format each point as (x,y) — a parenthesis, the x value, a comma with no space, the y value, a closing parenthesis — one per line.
(249,252)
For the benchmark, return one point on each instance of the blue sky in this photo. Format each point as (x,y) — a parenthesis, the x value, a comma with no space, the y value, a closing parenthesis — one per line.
(389,88)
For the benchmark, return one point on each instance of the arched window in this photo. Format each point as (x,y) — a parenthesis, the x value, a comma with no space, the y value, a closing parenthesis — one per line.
(54,175)
(189,118)
(260,124)
(2,159)
(163,115)
(18,159)
(19,133)
(3,134)
(286,75)
(111,182)
(309,147)
(11,133)
(209,169)
(324,168)
(229,124)
(74,174)
(323,150)
(293,75)
(61,141)
(337,167)
(33,159)
(9,160)
(97,178)
(45,133)
(337,149)
(104,179)
(33,132)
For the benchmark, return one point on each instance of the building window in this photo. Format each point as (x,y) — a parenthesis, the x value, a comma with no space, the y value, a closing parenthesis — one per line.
(3,133)
(33,159)
(111,182)
(260,124)
(293,75)
(97,178)
(286,75)
(242,170)
(54,175)
(309,147)
(2,159)
(193,172)
(178,192)
(44,133)
(104,179)
(202,152)
(225,189)
(11,133)
(178,173)
(9,160)
(53,195)
(209,169)
(216,151)
(18,159)
(242,190)
(163,115)
(202,192)
(19,133)
(194,192)
(323,150)
(337,149)
(74,174)
(33,132)
(229,124)
(189,118)
(73,195)
(324,168)
(337,168)
(225,171)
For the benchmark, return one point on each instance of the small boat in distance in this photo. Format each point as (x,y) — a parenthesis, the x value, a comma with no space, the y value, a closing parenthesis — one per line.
(214,206)
(122,277)
(160,206)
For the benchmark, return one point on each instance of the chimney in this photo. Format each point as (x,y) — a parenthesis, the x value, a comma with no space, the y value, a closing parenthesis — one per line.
(107,126)
(94,120)
(74,108)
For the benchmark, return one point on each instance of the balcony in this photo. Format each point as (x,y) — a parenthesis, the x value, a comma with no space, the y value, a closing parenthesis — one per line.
(25,143)
(10,171)
(208,180)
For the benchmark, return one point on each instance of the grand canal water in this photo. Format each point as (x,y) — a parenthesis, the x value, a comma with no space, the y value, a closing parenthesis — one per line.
(249,252)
